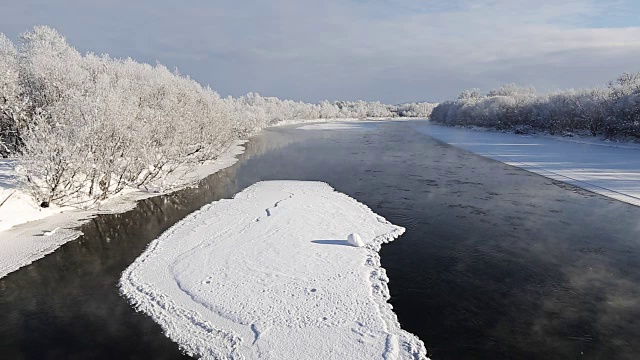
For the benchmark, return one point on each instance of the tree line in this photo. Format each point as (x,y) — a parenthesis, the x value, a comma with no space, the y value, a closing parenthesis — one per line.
(85,127)
(612,111)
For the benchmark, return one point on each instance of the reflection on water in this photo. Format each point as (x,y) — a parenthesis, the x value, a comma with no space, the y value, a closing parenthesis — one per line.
(496,262)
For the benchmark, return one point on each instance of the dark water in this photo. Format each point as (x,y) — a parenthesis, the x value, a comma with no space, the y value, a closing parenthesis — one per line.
(496,263)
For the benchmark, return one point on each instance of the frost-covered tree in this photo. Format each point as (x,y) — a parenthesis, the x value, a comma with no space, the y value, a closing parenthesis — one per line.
(85,127)
(470,94)
(12,102)
(50,71)
(421,109)
(511,90)
(613,111)
(99,124)
(328,110)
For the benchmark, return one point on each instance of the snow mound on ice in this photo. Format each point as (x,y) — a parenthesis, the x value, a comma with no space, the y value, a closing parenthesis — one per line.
(355,240)
(265,275)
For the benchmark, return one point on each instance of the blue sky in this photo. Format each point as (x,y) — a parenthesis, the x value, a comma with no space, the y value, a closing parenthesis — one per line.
(385,50)
(623,14)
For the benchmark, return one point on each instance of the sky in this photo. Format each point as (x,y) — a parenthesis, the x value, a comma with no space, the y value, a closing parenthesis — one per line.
(374,50)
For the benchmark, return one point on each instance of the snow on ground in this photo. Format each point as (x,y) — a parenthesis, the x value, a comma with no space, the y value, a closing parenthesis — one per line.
(358,126)
(343,123)
(16,206)
(269,274)
(312,121)
(601,167)
(24,225)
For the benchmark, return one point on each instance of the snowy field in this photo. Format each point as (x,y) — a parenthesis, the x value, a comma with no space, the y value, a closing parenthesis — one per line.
(270,274)
(605,168)
(29,232)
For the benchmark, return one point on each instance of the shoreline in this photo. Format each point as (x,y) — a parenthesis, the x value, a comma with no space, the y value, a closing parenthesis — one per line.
(26,242)
(604,168)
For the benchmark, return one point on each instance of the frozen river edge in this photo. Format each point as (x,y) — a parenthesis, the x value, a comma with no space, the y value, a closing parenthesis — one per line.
(269,274)
(605,168)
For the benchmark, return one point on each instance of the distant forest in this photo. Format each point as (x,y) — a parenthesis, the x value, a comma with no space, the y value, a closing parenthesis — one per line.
(612,111)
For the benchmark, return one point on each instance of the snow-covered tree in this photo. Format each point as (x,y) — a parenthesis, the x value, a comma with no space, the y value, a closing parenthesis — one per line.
(50,71)
(12,102)
(85,127)
(470,94)
(613,111)
(421,109)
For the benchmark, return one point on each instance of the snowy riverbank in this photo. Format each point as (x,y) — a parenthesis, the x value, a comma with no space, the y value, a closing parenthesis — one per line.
(605,168)
(269,274)
(28,232)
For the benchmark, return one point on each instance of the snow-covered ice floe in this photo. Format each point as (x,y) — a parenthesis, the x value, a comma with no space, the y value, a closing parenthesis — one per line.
(270,274)
(602,168)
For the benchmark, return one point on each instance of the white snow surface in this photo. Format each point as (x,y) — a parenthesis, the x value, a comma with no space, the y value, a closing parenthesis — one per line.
(27,231)
(269,274)
(350,126)
(598,166)
(355,240)
(17,207)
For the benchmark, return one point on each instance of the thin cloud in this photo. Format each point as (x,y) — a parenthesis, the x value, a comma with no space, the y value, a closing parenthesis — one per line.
(384,50)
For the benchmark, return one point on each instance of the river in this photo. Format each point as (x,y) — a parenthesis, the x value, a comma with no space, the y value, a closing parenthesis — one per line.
(496,262)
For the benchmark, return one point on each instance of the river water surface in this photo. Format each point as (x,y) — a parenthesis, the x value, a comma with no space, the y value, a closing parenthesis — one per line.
(496,262)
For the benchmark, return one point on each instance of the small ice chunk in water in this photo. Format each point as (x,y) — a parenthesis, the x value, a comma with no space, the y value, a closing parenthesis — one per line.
(355,240)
